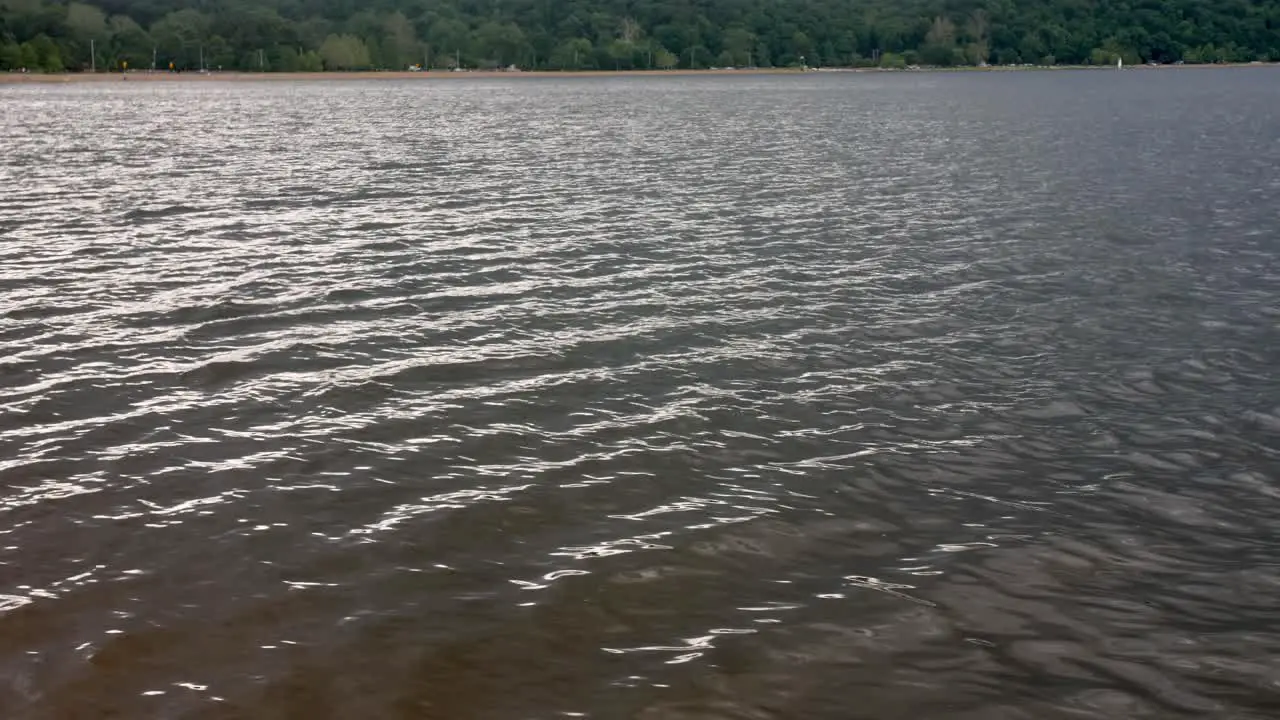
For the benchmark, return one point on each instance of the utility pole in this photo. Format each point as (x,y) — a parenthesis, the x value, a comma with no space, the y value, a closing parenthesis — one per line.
(457,59)
(93,56)
(261,61)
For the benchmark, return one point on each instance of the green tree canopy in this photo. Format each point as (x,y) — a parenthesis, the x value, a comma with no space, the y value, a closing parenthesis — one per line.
(344,52)
(584,34)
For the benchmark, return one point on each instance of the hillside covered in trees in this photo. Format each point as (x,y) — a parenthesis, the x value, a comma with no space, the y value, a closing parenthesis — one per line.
(302,35)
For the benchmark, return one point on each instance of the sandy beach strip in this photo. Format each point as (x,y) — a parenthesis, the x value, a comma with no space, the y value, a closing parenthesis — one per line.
(162,76)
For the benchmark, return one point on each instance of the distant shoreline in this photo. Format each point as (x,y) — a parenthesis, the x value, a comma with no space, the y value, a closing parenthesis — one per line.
(164,76)
(215,76)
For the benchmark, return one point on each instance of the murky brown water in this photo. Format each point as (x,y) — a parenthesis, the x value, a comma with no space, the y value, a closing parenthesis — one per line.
(893,396)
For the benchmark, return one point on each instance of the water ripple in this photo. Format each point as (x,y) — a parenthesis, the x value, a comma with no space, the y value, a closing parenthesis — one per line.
(648,398)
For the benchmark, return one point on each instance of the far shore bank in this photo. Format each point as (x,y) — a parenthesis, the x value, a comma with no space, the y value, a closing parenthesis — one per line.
(217,76)
(232,76)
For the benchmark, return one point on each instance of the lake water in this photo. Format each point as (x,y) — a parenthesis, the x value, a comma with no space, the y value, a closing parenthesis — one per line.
(918,396)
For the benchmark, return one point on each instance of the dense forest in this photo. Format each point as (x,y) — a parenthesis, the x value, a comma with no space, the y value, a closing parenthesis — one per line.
(310,35)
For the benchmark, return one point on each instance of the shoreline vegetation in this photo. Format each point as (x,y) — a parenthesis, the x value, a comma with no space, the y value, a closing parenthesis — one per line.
(600,36)
(14,77)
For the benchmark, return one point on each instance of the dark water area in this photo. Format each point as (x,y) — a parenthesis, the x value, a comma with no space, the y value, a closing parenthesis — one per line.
(916,396)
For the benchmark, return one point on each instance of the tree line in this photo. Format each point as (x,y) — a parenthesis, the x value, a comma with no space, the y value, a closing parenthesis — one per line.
(314,35)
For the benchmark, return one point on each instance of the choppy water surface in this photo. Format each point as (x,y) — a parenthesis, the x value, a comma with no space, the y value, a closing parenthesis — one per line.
(907,396)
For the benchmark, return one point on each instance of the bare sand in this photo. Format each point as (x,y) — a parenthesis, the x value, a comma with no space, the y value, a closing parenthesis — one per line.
(147,76)
(161,76)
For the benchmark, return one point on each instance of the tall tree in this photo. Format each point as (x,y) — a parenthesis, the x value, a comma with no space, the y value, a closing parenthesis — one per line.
(345,52)
(400,46)
(180,37)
